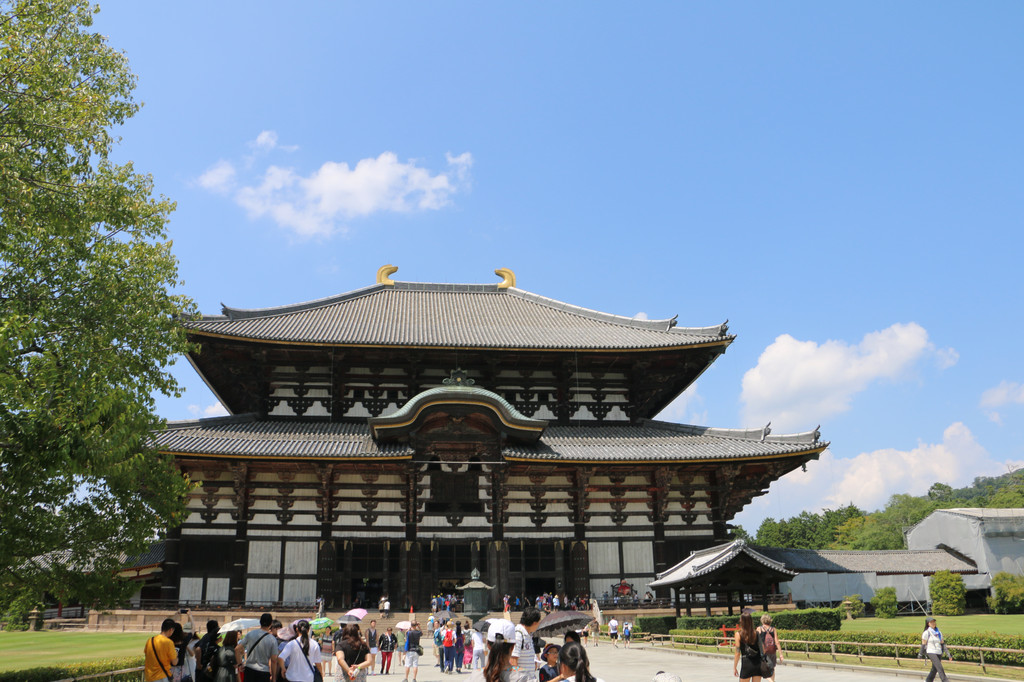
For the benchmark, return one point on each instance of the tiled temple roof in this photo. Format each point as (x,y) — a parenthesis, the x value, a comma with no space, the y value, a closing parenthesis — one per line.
(705,561)
(877,561)
(410,314)
(247,436)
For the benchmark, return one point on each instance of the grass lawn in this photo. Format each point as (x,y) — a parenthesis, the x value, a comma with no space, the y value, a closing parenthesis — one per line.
(1001,624)
(20,650)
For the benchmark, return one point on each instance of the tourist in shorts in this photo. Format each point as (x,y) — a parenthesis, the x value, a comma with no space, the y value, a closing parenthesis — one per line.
(412,651)
(613,632)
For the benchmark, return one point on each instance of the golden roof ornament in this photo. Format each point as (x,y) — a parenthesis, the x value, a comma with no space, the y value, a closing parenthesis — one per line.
(384,275)
(508,278)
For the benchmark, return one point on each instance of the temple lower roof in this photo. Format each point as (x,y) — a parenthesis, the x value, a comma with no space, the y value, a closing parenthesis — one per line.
(246,436)
(480,316)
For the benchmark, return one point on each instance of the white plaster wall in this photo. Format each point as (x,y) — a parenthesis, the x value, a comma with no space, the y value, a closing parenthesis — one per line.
(261,590)
(218,590)
(300,557)
(299,590)
(264,556)
(190,590)
(604,557)
(638,558)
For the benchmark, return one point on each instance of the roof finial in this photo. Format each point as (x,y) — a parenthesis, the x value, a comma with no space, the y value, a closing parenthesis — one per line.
(384,275)
(508,278)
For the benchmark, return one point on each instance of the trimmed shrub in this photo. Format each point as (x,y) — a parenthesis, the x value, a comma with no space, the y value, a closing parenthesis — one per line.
(656,625)
(949,596)
(808,619)
(1009,593)
(63,672)
(885,603)
(706,622)
(856,605)
(796,619)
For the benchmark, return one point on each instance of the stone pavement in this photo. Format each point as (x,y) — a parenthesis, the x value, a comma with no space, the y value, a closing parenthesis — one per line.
(640,665)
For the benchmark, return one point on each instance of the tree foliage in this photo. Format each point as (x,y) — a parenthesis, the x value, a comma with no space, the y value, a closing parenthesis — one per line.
(87,317)
(884,602)
(948,593)
(1007,593)
(809,530)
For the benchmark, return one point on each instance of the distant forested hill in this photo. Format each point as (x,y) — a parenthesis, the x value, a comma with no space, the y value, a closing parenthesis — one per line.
(852,528)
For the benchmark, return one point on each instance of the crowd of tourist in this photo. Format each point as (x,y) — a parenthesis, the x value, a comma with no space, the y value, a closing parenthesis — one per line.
(274,652)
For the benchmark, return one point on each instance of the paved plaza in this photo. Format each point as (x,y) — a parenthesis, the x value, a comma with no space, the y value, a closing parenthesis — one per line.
(641,664)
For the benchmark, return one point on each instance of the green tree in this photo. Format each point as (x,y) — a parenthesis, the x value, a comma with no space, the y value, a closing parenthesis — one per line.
(87,317)
(885,603)
(1008,593)
(948,593)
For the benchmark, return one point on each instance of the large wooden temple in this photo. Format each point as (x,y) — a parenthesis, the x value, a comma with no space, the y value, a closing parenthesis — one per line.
(393,438)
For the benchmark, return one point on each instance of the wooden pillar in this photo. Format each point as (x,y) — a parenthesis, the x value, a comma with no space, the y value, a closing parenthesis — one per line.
(689,602)
(241,515)
(171,578)
(728,600)
(764,597)
(707,600)
(678,607)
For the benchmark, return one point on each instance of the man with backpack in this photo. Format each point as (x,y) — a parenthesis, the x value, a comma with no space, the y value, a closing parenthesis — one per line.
(770,641)
(206,649)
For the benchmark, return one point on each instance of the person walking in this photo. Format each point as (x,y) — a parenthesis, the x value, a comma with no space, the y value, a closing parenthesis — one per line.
(613,632)
(448,642)
(300,657)
(746,663)
(627,634)
(770,641)
(412,651)
(224,664)
(479,650)
(353,655)
(259,651)
(934,645)
(160,653)
(371,641)
(387,645)
(327,651)
(460,647)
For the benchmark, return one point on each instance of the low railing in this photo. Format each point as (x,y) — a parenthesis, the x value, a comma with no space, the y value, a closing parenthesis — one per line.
(786,646)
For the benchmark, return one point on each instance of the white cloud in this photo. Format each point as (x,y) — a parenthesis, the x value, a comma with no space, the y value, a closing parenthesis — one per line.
(641,316)
(267,140)
(946,357)
(219,178)
(317,204)
(688,408)
(213,410)
(797,384)
(869,479)
(1006,393)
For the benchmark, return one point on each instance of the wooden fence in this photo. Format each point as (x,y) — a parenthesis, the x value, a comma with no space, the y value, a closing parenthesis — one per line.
(795,645)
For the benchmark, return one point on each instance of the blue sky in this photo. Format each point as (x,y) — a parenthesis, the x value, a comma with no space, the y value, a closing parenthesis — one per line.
(843,181)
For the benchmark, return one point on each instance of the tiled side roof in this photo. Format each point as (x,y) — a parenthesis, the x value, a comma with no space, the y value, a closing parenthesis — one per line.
(980,513)
(881,561)
(452,315)
(650,441)
(711,559)
(244,436)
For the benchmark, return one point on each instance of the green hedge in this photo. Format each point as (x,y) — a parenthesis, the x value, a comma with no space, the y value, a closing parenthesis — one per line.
(909,643)
(62,672)
(796,619)
(657,625)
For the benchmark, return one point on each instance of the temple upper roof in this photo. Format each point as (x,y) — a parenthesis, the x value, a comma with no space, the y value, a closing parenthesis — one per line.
(246,436)
(422,315)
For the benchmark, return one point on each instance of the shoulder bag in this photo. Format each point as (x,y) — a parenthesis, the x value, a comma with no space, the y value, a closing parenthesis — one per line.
(317,676)
(157,657)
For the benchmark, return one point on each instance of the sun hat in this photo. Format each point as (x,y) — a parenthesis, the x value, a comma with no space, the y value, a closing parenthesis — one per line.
(549,647)
(502,627)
